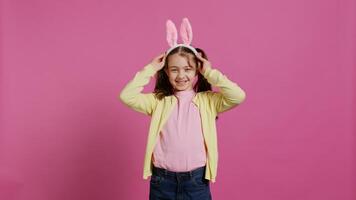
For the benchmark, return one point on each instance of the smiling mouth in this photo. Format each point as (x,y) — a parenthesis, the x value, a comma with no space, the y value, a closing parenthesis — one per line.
(181,82)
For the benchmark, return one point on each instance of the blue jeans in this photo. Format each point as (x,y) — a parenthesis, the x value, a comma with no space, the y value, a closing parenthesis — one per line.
(169,185)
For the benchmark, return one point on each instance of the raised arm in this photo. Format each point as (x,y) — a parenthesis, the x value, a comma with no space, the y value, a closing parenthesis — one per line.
(230,94)
(132,95)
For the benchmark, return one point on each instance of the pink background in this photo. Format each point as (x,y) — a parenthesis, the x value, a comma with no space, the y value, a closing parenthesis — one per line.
(65,135)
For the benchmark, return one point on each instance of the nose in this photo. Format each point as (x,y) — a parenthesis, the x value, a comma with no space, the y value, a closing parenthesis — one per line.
(181,74)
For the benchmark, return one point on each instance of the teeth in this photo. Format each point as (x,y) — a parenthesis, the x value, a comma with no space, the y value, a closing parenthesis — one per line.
(181,82)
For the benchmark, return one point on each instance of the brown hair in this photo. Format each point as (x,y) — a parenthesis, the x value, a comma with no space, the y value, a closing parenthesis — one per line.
(164,88)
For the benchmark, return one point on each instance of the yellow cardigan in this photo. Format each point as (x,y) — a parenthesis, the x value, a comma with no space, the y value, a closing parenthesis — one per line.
(209,103)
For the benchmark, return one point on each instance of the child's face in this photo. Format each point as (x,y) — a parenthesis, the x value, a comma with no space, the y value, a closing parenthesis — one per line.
(181,75)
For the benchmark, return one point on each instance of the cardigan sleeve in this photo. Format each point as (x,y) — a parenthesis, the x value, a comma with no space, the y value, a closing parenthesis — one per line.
(132,96)
(230,94)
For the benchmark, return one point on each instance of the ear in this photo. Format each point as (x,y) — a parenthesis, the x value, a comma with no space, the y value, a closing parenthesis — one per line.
(172,35)
(186,32)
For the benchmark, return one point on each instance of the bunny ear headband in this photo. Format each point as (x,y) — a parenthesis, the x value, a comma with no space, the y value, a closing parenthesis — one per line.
(186,34)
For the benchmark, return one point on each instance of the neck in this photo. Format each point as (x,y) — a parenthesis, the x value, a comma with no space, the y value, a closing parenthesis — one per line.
(183,93)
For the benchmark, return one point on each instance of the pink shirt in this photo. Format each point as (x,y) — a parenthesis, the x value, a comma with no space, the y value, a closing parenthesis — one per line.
(180,146)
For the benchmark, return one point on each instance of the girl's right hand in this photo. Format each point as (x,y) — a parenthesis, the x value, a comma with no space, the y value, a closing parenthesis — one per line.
(158,62)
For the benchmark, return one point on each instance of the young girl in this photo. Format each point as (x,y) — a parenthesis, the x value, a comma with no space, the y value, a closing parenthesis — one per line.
(181,152)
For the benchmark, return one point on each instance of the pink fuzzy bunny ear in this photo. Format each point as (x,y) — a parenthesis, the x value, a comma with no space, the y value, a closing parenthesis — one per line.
(172,35)
(186,32)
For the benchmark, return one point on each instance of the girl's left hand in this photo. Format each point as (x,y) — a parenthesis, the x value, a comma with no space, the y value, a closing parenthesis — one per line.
(203,64)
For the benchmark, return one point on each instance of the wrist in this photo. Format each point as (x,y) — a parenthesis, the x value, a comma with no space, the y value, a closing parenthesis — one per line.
(155,67)
(151,68)
(205,71)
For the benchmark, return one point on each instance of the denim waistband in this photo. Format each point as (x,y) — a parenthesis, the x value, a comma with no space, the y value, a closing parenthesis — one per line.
(165,172)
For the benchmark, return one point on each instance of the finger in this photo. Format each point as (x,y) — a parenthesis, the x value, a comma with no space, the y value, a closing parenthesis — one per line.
(200,58)
(161,55)
(163,59)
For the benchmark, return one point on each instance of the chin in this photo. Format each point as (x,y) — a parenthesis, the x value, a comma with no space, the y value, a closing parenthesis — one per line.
(182,89)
